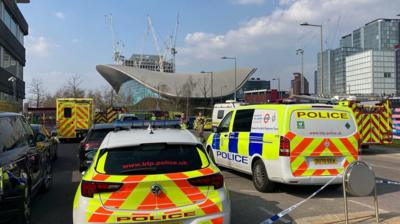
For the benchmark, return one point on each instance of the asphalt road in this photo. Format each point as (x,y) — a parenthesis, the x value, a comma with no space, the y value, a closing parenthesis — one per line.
(248,205)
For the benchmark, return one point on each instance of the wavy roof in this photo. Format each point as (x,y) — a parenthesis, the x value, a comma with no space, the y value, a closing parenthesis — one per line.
(172,84)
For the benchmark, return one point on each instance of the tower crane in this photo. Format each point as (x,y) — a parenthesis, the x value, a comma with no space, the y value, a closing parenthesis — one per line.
(155,41)
(116,43)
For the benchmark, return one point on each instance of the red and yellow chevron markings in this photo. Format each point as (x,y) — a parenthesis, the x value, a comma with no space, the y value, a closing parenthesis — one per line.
(301,148)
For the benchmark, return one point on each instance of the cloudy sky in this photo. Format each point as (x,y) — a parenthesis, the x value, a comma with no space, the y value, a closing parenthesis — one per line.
(71,37)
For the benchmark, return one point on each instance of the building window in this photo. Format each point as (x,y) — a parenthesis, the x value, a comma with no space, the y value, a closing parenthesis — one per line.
(9,63)
(11,24)
(387,75)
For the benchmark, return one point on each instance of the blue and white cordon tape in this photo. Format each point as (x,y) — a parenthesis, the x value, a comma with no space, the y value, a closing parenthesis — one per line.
(387,182)
(293,207)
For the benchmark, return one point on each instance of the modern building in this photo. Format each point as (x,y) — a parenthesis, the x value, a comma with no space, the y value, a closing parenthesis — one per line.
(299,85)
(379,34)
(371,72)
(150,62)
(138,84)
(253,84)
(264,96)
(315,82)
(339,68)
(326,87)
(13,28)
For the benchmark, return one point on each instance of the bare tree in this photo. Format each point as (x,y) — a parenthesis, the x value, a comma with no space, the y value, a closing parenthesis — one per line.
(73,88)
(37,91)
(204,90)
(188,91)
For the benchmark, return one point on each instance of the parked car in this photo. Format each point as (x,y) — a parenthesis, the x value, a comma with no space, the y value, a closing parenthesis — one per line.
(91,143)
(45,140)
(24,168)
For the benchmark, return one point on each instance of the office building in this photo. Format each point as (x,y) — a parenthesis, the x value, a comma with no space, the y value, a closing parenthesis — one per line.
(13,28)
(371,72)
(315,82)
(299,85)
(339,68)
(326,87)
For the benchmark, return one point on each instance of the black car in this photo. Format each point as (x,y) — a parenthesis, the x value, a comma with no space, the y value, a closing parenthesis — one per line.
(44,139)
(91,143)
(24,168)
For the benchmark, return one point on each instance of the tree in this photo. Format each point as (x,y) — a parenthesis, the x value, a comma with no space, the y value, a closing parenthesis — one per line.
(72,88)
(37,91)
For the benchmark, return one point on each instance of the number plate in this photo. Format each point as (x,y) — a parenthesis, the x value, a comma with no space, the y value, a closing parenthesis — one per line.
(325,161)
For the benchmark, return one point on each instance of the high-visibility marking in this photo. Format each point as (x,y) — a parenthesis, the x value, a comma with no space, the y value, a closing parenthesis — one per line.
(100,215)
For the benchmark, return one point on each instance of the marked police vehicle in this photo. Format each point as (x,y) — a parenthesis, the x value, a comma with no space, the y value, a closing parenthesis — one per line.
(286,143)
(221,109)
(151,176)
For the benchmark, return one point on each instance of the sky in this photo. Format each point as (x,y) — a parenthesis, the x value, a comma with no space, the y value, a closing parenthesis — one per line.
(71,37)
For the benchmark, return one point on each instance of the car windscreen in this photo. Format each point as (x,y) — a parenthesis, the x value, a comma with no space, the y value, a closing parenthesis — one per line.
(99,134)
(151,159)
(322,123)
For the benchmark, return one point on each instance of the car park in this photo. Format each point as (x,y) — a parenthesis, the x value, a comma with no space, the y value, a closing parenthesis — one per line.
(91,143)
(148,176)
(46,140)
(294,144)
(25,169)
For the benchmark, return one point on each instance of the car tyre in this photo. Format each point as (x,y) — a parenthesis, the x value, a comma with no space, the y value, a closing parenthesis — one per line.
(260,177)
(25,217)
(48,178)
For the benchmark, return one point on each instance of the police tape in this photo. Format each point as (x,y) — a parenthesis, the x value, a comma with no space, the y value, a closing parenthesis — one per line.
(387,182)
(293,207)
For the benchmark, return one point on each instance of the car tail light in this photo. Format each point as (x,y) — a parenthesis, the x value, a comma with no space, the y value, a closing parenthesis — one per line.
(89,188)
(216,180)
(284,146)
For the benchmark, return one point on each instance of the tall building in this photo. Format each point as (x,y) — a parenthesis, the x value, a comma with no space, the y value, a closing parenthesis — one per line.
(371,72)
(339,68)
(315,82)
(325,87)
(13,28)
(299,85)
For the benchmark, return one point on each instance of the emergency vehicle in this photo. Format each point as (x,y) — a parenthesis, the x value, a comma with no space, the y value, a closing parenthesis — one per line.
(74,117)
(221,109)
(151,176)
(374,120)
(287,143)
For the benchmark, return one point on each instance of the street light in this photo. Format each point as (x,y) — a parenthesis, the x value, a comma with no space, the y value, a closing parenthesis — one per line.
(279,86)
(232,58)
(301,51)
(14,83)
(321,58)
(212,85)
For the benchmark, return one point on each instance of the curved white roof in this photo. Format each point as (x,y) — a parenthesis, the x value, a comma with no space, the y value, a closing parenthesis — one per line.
(172,84)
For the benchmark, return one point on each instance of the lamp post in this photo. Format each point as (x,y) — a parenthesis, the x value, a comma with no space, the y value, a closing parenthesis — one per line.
(279,86)
(301,51)
(322,50)
(232,58)
(14,84)
(212,85)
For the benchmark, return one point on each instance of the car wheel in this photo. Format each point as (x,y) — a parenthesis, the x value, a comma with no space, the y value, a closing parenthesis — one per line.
(260,177)
(48,178)
(25,217)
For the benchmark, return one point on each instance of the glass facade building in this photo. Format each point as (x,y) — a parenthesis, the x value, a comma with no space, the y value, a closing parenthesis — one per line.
(325,87)
(339,68)
(371,72)
(134,92)
(13,28)
(397,53)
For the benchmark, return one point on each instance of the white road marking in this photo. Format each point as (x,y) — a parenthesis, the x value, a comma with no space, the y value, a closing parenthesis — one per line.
(367,206)
(76,176)
(384,167)
(283,219)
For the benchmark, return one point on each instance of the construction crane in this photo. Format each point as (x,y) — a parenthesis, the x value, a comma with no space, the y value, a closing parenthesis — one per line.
(174,36)
(155,41)
(116,43)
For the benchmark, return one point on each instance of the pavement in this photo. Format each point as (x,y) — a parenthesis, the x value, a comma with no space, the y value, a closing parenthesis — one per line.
(249,205)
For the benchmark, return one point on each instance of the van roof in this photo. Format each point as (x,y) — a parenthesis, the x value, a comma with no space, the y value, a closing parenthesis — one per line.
(267,106)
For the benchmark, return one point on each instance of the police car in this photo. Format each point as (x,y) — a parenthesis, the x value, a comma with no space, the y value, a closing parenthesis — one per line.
(286,143)
(148,176)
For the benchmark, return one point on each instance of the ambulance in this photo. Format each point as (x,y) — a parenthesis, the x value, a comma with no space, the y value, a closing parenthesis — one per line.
(74,117)
(304,144)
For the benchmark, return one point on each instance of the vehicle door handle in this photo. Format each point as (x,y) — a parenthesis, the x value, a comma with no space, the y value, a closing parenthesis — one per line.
(225,135)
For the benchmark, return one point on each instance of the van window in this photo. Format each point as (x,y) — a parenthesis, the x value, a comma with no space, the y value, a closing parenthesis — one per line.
(320,123)
(224,125)
(67,112)
(243,119)
(220,114)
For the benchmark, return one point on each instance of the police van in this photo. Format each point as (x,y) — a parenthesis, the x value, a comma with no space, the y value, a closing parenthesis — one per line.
(221,109)
(288,143)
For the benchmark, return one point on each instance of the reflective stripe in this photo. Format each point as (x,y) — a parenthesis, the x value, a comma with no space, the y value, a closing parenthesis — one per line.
(215,141)
(233,142)
(256,143)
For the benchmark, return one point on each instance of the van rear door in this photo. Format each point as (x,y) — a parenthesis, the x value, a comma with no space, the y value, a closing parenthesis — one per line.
(323,140)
